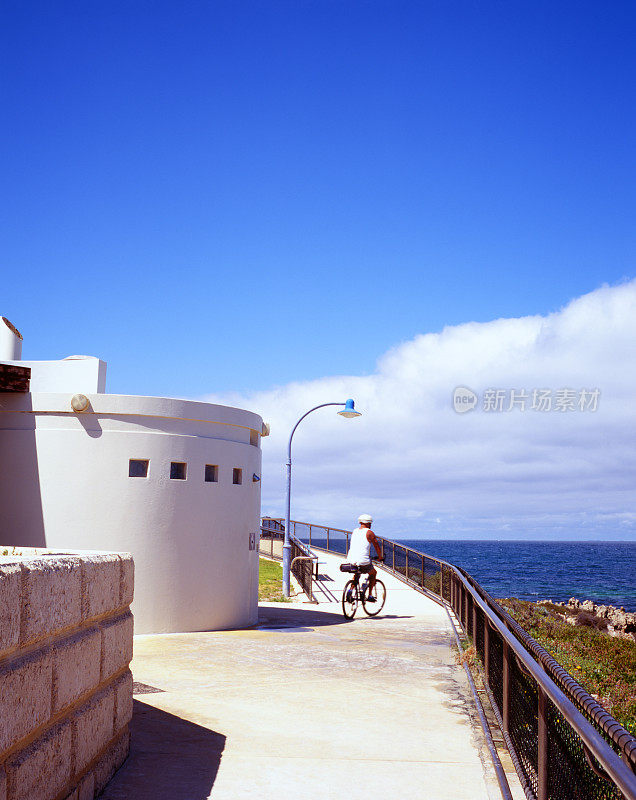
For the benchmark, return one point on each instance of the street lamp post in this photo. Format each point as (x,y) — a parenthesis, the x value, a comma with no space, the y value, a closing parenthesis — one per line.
(348,412)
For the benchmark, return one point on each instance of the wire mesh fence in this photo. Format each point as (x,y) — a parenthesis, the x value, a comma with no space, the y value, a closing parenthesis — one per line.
(494,668)
(302,566)
(523,722)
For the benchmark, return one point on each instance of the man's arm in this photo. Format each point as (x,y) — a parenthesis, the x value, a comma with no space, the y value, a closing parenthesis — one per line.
(371,537)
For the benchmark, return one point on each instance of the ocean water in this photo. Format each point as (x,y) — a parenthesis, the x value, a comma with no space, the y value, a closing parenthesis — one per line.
(604,572)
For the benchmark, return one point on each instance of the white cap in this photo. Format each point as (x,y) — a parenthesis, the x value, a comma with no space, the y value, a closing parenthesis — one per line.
(365,518)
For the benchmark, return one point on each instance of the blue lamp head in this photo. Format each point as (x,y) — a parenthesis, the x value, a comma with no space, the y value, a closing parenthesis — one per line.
(349,410)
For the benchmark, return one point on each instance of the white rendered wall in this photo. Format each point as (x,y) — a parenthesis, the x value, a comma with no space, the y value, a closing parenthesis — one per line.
(65,484)
(75,374)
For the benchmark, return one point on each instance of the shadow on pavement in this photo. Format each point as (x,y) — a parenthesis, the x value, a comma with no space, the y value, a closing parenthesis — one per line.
(285,617)
(170,759)
(298,620)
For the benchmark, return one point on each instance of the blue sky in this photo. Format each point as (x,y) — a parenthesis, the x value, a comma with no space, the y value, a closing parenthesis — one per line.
(276,204)
(230,196)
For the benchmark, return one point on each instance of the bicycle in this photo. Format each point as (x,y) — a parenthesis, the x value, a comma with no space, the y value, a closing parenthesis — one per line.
(354,593)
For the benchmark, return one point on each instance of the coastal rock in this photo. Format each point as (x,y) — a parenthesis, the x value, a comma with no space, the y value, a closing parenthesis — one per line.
(619,622)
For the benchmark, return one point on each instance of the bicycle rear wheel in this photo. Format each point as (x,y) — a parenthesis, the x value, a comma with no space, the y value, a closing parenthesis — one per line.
(379,592)
(349,599)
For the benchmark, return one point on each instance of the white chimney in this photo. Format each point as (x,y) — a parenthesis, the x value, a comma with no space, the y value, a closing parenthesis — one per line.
(10,341)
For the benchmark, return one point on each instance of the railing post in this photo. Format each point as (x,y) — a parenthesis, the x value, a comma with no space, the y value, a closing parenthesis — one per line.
(406,564)
(393,550)
(465,609)
(422,572)
(310,535)
(542,746)
(486,649)
(505,702)
(475,624)
(309,568)
(327,538)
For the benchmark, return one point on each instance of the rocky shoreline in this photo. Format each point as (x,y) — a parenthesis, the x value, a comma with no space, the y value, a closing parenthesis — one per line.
(609,619)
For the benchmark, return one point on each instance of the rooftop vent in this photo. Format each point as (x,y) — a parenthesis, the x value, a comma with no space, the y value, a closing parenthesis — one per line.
(10,341)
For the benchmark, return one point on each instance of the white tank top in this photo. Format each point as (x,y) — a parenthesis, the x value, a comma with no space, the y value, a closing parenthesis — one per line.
(359,547)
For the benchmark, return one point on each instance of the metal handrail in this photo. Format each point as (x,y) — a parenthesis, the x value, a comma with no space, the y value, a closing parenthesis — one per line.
(620,773)
(533,660)
(562,677)
(271,533)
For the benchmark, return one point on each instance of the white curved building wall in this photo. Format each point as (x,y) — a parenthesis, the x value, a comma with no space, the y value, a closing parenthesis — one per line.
(65,483)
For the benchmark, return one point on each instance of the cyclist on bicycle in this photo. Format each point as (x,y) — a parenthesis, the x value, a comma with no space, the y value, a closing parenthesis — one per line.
(360,550)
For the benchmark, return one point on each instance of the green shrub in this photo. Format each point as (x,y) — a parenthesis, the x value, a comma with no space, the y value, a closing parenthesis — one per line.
(604,665)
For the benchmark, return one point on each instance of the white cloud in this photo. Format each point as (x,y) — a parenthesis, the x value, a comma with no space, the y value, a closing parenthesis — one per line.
(423,470)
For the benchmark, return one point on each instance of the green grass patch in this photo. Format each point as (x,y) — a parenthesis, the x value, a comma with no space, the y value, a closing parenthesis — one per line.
(270,581)
(604,665)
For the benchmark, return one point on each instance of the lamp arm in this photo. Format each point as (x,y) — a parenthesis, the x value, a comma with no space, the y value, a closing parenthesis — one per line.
(291,436)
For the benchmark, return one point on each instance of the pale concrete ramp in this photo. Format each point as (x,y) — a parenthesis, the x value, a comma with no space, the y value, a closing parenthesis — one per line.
(308,706)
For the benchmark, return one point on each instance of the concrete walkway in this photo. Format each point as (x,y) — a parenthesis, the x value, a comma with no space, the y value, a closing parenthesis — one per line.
(308,705)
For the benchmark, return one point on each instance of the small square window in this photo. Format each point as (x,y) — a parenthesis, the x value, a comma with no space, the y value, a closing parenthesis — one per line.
(253,437)
(237,476)
(137,468)
(178,471)
(211,473)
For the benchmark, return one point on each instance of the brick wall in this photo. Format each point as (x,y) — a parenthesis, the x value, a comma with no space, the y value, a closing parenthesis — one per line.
(66,636)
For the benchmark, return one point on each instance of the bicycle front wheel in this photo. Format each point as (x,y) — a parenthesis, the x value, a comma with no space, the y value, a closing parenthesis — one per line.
(349,599)
(379,593)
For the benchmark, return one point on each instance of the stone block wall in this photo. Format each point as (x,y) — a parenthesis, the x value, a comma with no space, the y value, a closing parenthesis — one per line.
(66,635)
